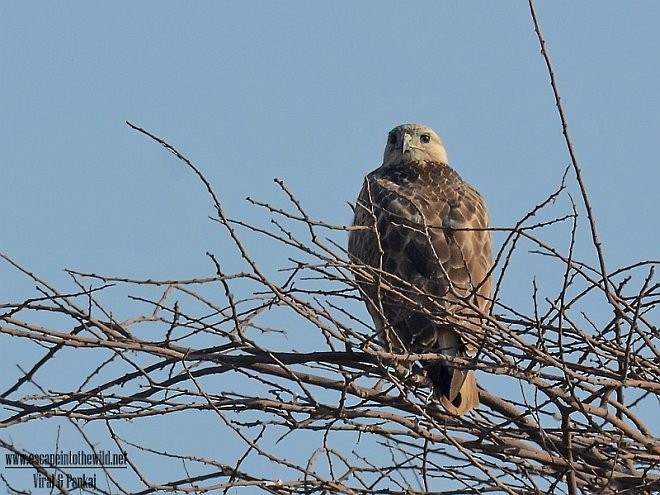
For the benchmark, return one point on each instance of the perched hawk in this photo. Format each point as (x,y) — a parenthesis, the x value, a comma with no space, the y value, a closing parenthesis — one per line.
(428,247)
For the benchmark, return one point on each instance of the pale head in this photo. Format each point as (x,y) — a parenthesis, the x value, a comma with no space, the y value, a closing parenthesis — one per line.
(413,142)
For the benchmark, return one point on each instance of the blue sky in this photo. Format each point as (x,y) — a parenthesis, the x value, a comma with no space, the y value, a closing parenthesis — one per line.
(305,92)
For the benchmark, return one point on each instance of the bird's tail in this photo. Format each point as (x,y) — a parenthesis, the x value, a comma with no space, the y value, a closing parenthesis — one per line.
(455,388)
(464,399)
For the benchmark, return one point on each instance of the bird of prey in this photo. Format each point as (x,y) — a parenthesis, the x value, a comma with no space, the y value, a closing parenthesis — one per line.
(427,250)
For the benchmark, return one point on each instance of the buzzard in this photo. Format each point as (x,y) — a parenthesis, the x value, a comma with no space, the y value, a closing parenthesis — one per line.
(428,259)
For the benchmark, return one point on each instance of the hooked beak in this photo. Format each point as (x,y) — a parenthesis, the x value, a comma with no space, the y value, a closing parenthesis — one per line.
(406,143)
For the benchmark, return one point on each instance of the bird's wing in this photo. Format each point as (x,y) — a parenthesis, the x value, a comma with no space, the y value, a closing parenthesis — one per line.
(430,232)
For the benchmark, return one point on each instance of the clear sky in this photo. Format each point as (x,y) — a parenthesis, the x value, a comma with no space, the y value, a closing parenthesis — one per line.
(305,92)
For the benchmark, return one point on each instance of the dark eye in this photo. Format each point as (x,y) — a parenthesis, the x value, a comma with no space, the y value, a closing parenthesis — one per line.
(425,138)
(391,138)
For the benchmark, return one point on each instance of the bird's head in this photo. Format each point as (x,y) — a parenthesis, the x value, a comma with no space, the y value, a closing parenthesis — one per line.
(413,142)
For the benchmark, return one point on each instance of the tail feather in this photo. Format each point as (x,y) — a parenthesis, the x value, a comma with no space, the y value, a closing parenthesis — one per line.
(456,389)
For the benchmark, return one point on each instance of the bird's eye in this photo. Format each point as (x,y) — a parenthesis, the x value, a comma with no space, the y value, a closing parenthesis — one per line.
(392,138)
(425,138)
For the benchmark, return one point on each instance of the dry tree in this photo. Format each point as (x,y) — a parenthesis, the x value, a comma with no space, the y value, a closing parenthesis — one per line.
(279,372)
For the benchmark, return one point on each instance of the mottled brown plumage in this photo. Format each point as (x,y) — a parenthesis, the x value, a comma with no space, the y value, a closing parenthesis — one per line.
(430,251)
